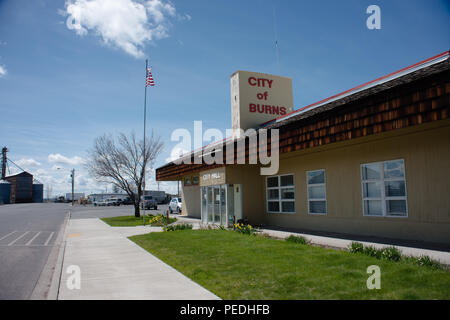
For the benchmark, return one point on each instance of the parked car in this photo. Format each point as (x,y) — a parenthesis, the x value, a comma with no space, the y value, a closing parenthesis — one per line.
(148,202)
(99,203)
(60,200)
(112,202)
(175,205)
(127,201)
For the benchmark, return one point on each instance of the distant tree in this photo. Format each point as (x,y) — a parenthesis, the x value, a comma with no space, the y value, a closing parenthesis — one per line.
(121,162)
(115,189)
(48,190)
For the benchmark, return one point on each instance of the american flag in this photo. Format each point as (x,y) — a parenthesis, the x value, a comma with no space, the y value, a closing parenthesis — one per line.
(149,82)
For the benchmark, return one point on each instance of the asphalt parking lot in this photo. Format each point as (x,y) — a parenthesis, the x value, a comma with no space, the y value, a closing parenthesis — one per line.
(27,235)
(89,211)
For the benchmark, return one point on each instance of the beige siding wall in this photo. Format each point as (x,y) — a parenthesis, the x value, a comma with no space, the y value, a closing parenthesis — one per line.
(252,189)
(425,150)
(427,156)
(213,177)
(191,201)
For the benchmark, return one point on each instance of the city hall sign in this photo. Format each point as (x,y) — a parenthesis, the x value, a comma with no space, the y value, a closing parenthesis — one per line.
(257,98)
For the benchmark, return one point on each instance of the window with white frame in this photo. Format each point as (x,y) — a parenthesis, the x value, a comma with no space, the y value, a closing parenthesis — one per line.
(280,194)
(317,195)
(384,189)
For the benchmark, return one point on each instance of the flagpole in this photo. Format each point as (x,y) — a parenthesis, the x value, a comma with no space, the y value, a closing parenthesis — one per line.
(145,124)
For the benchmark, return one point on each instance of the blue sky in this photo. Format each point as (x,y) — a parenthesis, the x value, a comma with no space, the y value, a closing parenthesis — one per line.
(62,84)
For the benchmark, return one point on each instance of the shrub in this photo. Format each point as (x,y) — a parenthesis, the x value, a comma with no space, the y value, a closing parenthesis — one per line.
(428,262)
(296,239)
(155,219)
(356,247)
(159,220)
(244,228)
(391,253)
(372,251)
(177,227)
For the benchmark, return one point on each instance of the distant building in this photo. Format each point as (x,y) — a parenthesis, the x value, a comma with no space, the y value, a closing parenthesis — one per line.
(160,196)
(23,190)
(76,196)
(103,196)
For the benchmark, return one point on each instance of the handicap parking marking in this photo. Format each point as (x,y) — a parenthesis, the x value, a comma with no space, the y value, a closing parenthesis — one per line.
(4,237)
(32,239)
(17,239)
(27,238)
(49,238)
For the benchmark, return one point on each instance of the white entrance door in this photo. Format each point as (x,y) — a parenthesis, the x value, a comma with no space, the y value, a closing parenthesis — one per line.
(221,204)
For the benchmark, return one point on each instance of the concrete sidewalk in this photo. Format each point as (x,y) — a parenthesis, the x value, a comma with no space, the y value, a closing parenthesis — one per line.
(114,267)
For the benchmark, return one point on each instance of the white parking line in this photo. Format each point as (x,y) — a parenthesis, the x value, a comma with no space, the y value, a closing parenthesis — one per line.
(29,242)
(48,240)
(10,244)
(8,235)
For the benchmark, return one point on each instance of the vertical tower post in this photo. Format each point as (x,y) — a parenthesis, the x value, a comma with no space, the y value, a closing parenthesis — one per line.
(4,159)
(145,125)
(72,175)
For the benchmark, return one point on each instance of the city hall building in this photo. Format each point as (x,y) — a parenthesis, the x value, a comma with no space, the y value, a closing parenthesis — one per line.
(372,161)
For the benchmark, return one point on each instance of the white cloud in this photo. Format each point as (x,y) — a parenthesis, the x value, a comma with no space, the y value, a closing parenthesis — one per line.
(42,172)
(60,159)
(3,71)
(126,24)
(27,163)
(185,17)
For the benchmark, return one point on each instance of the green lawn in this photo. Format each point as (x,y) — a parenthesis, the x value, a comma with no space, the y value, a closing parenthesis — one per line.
(236,266)
(131,221)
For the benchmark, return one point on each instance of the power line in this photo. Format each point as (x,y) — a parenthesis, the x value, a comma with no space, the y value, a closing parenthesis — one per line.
(37,180)
(276,39)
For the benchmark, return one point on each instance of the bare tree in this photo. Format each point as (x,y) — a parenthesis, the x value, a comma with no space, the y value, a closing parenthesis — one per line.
(122,162)
(48,190)
(115,189)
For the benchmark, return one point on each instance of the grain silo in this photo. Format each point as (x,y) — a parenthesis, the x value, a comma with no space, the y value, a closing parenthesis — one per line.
(5,192)
(38,193)
(21,187)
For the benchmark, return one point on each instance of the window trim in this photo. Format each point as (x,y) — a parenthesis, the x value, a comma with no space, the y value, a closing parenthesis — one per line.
(279,188)
(191,181)
(383,197)
(316,185)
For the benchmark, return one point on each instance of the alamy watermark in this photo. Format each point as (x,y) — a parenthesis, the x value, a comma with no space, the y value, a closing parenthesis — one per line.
(374,280)
(73,282)
(373,22)
(258,143)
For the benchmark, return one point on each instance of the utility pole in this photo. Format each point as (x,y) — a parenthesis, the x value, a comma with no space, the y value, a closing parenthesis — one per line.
(145,125)
(4,159)
(72,175)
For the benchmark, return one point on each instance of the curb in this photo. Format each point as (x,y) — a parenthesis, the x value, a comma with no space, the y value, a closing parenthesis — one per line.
(47,286)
